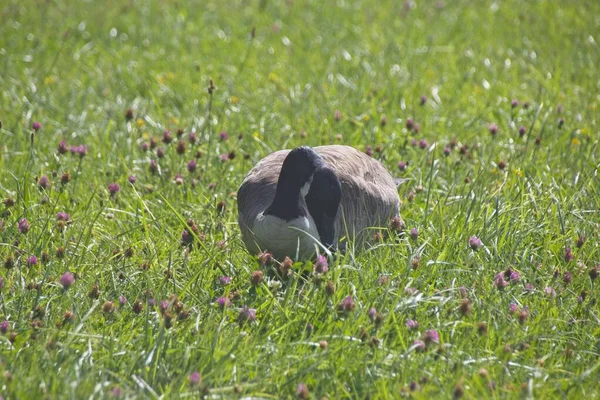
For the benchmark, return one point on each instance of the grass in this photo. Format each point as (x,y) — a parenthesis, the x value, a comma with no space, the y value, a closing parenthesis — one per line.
(285,74)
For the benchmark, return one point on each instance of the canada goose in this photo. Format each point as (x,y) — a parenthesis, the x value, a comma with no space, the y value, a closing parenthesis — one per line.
(293,199)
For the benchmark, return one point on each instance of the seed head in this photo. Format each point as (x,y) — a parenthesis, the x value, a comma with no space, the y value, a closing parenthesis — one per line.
(402,166)
(36,126)
(514,103)
(493,128)
(65,178)
(223,136)
(522,131)
(423,100)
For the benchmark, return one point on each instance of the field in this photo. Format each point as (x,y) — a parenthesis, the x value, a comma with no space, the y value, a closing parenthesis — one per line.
(127,128)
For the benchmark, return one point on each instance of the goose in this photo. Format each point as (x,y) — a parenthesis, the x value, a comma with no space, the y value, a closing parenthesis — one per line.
(294,202)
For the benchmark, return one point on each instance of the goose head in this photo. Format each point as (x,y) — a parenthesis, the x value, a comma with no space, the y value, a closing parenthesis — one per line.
(308,195)
(294,183)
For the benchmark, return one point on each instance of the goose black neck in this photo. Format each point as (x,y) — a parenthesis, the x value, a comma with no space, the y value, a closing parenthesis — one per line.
(297,170)
(323,201)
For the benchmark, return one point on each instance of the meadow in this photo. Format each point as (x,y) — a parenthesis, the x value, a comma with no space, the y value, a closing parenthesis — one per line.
(127,128)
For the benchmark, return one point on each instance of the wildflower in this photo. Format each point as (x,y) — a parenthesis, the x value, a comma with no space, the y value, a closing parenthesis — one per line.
(369,151)
(431,336)
(194,378)
(192,137)
(191,166)
(36,126)
(423,144)
(108,307)
(417,128)
(63,216)
(482,328)
(447,151)
(225,280)
(458,391)
(567,277)
(410,124)
(549,291)
(65,178)
(178,180)
(302,392)
(330,288)
(561,122)
(132,179)
(163,306)
(501,165)
(514,103)
(580,241)
(129,114)
(4,327)
(514,276)
(67,280)
(513,308)
(113,188)
(223,136)
(500,282)
(167,137)
(320,266)
(223,302)
(383,280)
(337,115)
(265,258)
(80,150)
(122,300)
(137,307)
(371,313)
(529,288)
(246,314)
(160,152)
(383,121)
(411,324)
(347,305)
(522,131)
(419,345)
(423,100)
(402,166)
(465,306)
(414,234)
(23,226)
(523,315)
(181,148)
(594,272)
(475,242)
(256,278)
(568,254)
(31,261)
(493,128)
(224,157)
(153,168)
(44,183)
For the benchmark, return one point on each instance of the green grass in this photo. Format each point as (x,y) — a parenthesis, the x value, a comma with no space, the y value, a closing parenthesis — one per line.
(76,67)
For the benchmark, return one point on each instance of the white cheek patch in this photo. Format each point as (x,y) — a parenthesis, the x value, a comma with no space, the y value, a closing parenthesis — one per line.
(306,187)
(295,238)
